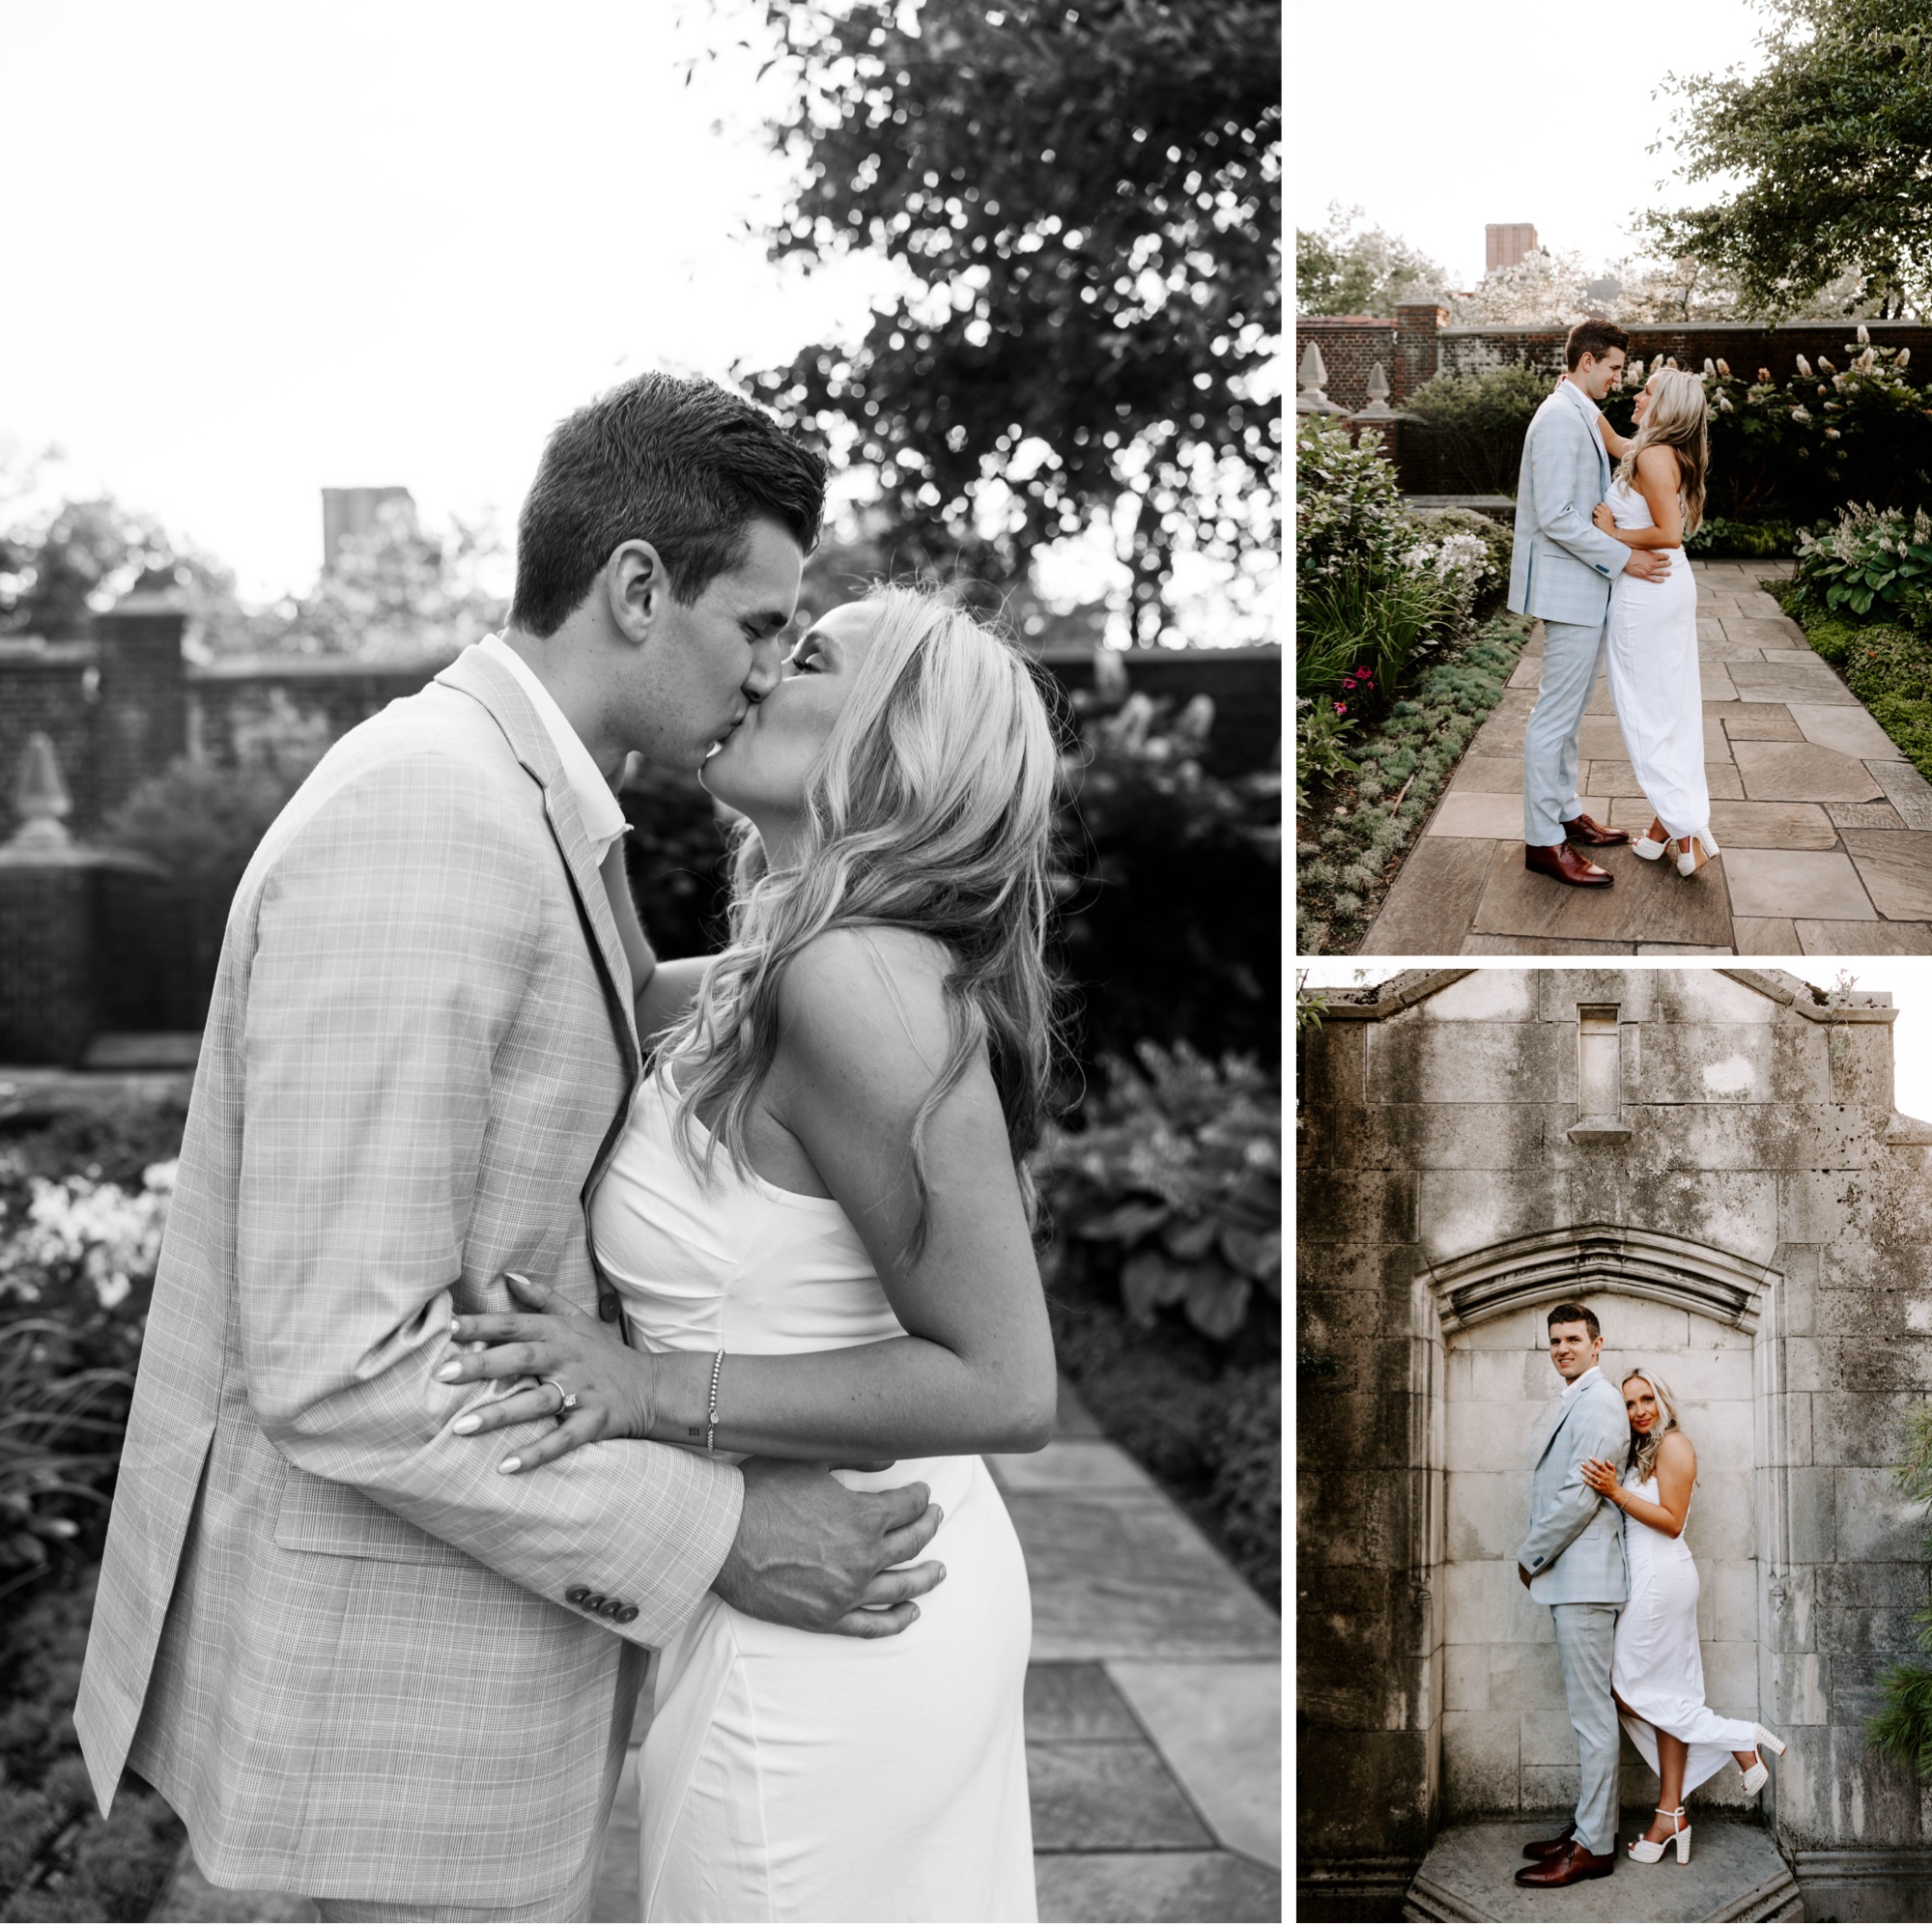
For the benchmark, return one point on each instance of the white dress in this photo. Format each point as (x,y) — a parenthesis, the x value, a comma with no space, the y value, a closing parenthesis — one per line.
(1651,651)
(1656,1667)
(788,1776)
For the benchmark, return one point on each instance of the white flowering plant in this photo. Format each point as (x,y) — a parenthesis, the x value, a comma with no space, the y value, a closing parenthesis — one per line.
(1378,590)
(77,1259)
(1873,565)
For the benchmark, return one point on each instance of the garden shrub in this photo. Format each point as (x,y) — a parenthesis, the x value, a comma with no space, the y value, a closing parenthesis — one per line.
(59,1859)
(1173,927)
(77,1257)
(1875,565)
(1752,540)
(1477,423)
(1346,846)
(1171,1194)
(1798,450)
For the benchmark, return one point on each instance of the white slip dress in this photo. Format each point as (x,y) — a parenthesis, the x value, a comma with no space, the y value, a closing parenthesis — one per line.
(1655,1666)
(787,1775)
(1651,659)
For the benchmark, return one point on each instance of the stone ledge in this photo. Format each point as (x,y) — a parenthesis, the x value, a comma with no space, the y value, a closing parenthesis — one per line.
(1735,1873)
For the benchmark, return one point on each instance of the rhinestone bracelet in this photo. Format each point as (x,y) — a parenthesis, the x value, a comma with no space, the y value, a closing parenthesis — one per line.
(711,1416)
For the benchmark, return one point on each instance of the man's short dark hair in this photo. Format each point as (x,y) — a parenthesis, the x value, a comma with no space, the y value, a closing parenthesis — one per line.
(1594,336)
(1576,1313)
(684,465)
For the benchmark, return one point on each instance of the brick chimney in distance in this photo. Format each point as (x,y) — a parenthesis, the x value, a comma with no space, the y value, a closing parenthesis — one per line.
(1506,243)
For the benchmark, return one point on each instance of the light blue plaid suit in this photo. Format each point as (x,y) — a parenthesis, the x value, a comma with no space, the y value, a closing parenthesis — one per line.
(1561,569)
(358,1661)
(1575,1555)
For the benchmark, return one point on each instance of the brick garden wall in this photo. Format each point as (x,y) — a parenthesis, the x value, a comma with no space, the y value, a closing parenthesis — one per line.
(120,705)
(1419,344)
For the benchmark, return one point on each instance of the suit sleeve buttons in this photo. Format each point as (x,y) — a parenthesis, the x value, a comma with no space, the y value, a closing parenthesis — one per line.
(578,1594)
(627,1615)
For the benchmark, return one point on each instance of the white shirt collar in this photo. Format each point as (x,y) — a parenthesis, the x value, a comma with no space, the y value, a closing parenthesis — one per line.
(1570,1389)
(600,811)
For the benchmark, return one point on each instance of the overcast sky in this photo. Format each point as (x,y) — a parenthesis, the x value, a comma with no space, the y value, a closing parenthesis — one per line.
(1909,978)
(1437,119)
(258,250)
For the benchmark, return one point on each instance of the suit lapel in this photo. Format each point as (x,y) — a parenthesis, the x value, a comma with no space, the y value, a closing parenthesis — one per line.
(1564,1413)
(1587,408)
(474,674)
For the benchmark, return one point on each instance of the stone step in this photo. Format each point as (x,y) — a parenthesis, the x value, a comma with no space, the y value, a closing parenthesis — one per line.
(1735,1873)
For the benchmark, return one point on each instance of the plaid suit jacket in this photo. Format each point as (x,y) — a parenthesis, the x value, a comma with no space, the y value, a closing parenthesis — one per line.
(337,1641)
(1561,565)
(1574,1548)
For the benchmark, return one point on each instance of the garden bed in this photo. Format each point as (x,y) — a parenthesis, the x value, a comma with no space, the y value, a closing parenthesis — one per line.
(1356,828)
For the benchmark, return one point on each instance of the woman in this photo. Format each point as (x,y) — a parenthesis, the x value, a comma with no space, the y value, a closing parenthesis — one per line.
(1657,1670)
(1656,500)
(818,1217)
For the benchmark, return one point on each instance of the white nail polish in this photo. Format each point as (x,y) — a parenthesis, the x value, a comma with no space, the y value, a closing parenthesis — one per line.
(465,1424)
(509,1464)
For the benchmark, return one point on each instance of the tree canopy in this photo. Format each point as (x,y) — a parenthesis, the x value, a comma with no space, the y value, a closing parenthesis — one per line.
(1084,202)
(1347,268)
(1832,140)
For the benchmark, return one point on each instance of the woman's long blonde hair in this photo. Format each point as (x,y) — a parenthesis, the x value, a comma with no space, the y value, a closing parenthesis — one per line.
(1676,418)
(930,808)
(1643,1447)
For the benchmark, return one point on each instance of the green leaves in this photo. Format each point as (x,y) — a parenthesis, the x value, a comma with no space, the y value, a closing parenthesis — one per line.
(1177,1182)
(1836,123)
(1084,205)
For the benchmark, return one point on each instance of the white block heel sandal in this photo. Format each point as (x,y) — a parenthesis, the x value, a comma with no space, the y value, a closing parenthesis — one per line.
(1647,1851)
(1759,1774)
(1693,852)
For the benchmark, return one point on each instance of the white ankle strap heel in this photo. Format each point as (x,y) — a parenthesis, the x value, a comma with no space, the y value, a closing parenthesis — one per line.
(1647,1851)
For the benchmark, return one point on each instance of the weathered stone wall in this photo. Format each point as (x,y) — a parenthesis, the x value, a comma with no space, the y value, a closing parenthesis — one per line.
(1506,1745)
(1752,1218)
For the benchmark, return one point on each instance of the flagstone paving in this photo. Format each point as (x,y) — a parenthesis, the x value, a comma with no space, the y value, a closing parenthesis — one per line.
(1153,1711)
(1826,829)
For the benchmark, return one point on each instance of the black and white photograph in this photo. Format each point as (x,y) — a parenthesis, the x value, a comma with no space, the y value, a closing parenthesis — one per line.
(640,987)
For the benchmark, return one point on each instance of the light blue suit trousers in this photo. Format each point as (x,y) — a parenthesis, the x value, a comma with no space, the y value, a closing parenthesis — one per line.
(1585,1636)
(1573,655)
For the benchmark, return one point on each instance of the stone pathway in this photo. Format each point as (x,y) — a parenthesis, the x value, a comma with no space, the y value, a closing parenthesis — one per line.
(1735,1872)
(1152,1710)
(1826,829)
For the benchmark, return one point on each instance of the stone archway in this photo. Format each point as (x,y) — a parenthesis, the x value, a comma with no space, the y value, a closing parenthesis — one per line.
(1706,1321)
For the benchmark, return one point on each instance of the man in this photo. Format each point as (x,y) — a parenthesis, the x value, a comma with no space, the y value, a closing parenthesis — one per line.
(1561,569)
(360,1663)
(1573,1560)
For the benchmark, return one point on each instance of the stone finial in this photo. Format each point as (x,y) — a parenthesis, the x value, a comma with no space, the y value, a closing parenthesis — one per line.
(40,795)
(1379,408)
(1314,378)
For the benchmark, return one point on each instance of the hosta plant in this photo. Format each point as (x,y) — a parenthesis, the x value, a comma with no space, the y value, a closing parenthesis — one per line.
(1876,564)
(1173,1186)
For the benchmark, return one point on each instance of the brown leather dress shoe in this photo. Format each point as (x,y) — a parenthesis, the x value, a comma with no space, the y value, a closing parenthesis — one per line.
(1571,1866)
(1562,864)
(1549,1848)
(1593,834)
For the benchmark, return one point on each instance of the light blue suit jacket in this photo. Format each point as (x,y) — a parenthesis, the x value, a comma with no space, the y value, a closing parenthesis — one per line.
(1562,567)
(1575,1549)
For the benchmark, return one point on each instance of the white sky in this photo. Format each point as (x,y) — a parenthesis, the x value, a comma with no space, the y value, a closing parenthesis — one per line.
(1909,978)
(259,250)
(1437,119)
